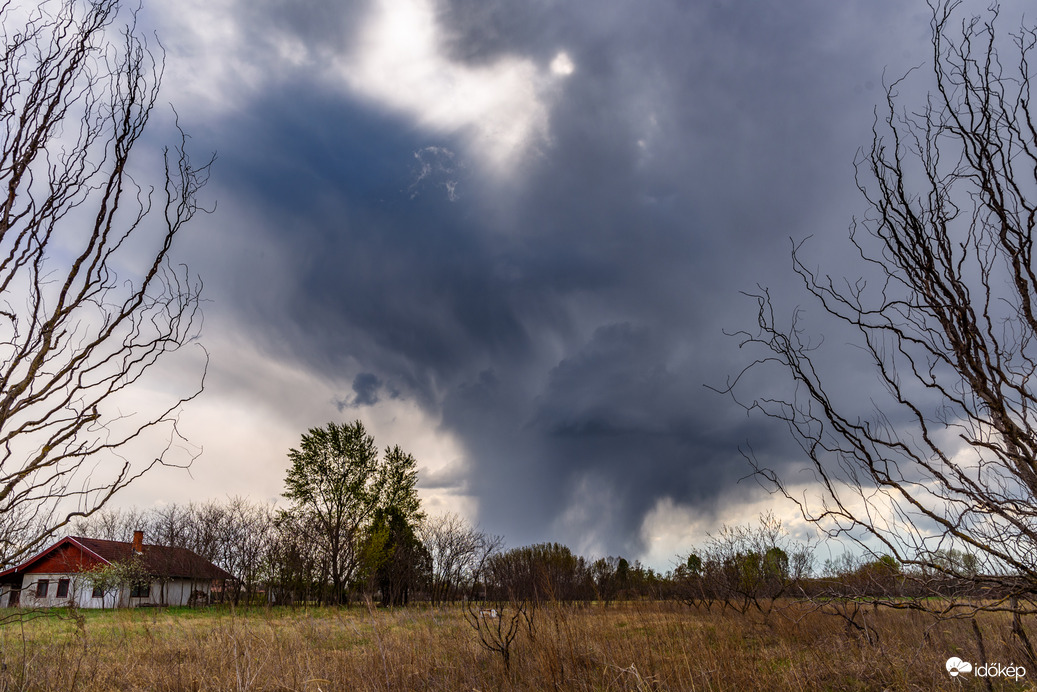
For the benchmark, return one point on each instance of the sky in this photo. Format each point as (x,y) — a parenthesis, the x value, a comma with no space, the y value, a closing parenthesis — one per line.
(513,238)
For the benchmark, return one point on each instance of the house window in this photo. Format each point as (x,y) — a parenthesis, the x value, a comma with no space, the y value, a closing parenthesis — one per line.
(140,591)
(97,593)
(41,588)
(62,588)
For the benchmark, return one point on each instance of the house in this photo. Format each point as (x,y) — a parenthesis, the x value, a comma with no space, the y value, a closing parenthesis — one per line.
(74,570)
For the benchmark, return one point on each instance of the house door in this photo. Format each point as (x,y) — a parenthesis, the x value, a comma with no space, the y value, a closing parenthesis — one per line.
(16,597)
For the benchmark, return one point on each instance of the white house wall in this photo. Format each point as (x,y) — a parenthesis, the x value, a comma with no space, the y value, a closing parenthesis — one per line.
(173,592)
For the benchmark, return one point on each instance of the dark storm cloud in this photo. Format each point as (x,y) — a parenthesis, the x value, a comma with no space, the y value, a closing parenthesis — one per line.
(366,386)
(563,322)
(615,428)
(408,283)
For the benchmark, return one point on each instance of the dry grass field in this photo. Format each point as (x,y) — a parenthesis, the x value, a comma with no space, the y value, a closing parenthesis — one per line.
(628,646)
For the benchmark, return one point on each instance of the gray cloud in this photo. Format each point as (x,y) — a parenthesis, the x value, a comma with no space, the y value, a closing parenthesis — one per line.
(562,323)
(366,386)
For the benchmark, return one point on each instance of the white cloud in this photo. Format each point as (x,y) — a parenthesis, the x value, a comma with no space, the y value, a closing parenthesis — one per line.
(396,61)
(671,530)
(208,64)
(399,63)
(256,407)
(562,65)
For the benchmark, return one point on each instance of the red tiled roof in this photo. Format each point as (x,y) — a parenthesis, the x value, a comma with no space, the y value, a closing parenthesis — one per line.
(160,561)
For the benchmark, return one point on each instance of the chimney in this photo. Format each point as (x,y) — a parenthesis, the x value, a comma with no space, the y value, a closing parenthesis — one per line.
(138,542)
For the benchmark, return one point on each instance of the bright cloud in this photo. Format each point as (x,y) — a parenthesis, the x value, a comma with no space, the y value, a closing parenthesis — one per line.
(207,65)
(395,61)
(671,529)
(399,63)
(562,65)
(283,404)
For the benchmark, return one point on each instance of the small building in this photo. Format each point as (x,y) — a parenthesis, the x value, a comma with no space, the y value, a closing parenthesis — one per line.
(73,570)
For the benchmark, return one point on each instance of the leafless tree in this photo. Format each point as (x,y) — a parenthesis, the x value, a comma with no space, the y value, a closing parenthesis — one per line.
(86,309)
(946,315)
(208,531)
(458,551)
(295,565)
(544,572)
(235,534)
(748,566)
(246,537)
(604,573)
(171,525)
(497,623)
(113,524)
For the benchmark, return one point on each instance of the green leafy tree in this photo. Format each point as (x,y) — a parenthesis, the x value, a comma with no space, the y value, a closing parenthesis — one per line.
(398,560)
(338,482)
(687,583)
(113,578)
(956,563)
(740,565)
(776,564)
(399,486)
(622,574)
(603,574)
(334,481)
(888,563)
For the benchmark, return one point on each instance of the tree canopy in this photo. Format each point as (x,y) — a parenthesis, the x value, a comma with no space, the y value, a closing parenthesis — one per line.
(356,505)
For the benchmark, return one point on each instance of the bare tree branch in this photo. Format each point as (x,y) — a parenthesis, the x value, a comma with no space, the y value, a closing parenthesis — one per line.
(82,317)
(946,316)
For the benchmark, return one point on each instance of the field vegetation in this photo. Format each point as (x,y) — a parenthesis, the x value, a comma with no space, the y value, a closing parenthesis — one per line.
(637,645)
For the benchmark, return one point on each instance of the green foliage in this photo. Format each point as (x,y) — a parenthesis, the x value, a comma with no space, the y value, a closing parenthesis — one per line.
(955,562)
(396,557)
(112,578)
(545,571)
(334,470)
(393,553)
(888,564)
(775,564)
(623,573)
(359,510)
(399,481)
(603,574)
(740,565)
(610,576)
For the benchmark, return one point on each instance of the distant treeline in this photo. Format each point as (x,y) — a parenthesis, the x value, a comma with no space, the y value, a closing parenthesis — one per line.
(355,529)
(275,560)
